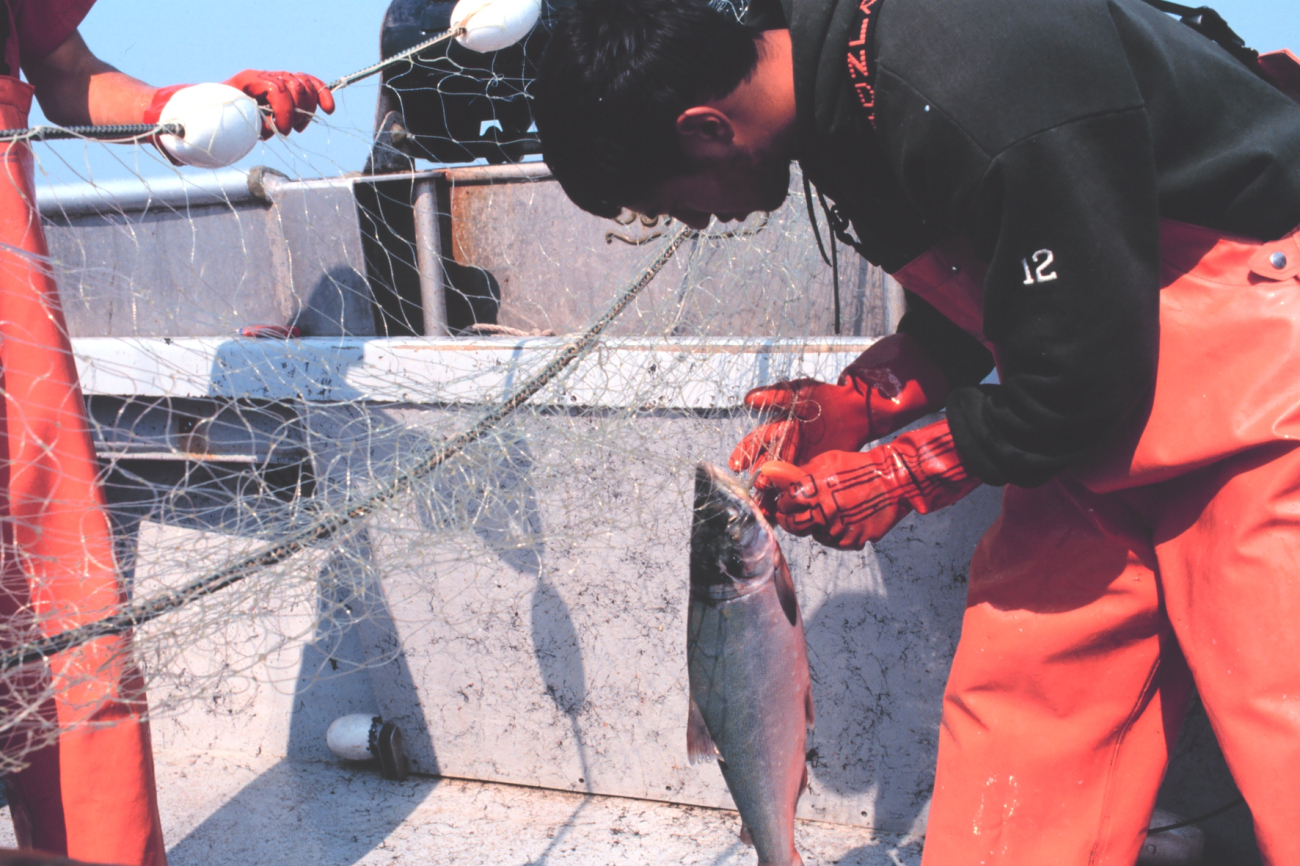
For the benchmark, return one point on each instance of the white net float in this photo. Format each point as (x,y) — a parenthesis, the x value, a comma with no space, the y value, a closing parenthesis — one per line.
(491,25)
(221,125)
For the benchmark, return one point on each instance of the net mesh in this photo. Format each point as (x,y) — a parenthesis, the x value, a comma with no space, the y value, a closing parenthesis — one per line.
(212,447)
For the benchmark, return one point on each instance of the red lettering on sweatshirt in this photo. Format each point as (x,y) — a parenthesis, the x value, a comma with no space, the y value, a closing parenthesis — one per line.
(861,75)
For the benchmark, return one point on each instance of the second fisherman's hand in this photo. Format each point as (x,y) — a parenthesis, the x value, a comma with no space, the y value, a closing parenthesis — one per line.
(290,99)
(845,499)
(223,122)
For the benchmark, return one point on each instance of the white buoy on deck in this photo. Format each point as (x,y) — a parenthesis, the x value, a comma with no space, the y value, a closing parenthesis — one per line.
(351,737)
(363,737)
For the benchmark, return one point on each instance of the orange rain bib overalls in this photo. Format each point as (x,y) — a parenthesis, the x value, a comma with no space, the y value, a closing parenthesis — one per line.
(88,790)
(1173,557)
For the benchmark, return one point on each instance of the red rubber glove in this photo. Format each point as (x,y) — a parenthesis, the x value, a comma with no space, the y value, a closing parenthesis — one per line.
(846,499)
(291,96)
(889,386)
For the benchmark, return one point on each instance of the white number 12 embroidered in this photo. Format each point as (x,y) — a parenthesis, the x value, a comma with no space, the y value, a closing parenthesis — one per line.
(1041,274)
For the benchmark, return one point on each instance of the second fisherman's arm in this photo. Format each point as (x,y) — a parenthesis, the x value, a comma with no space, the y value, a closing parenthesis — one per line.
(76,88)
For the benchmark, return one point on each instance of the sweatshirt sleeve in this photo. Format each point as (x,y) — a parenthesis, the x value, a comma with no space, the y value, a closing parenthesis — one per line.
(1039,150)
(1071,301)
(44,25)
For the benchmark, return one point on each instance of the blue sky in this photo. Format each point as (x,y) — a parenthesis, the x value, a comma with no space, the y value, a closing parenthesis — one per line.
(171,42)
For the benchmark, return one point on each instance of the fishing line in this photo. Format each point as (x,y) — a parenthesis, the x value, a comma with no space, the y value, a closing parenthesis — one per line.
(139,613)
(134,131)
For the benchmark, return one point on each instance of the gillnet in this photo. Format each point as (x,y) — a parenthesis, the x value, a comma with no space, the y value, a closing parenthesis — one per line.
(368,517)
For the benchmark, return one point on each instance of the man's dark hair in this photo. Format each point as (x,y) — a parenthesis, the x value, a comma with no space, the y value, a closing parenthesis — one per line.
(615,77)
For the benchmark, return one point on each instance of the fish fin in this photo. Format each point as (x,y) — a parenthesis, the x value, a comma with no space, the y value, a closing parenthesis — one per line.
(809,716)
(785,590)
(700,747)
(745,835)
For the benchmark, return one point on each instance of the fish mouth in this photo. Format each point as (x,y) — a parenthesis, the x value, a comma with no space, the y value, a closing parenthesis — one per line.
(716,487)
(732,546)
(722,504)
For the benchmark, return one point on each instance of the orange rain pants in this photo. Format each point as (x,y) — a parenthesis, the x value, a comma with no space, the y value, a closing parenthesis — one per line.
(1097,600)
(88,790)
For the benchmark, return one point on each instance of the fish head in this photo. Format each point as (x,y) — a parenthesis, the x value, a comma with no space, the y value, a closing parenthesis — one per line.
(733,548)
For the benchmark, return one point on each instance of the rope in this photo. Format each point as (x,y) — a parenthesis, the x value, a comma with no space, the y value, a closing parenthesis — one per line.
(1212,26)
(139,613)
(120,132)
(135,131)
(394,60)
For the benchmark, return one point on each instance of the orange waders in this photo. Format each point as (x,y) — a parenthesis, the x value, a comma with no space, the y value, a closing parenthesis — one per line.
(88,790)
(1096,600)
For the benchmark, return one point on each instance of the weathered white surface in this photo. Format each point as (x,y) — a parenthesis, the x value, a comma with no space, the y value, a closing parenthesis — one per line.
(678,373)
(229,675)
(220,809)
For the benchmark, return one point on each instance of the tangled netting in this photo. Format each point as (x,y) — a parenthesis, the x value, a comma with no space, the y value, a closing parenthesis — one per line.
(382,422)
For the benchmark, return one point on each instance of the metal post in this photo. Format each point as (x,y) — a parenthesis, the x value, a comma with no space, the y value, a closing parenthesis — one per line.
(428,258)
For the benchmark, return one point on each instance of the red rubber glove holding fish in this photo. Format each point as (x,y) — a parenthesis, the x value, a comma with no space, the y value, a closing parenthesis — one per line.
(889,386)
(844,499)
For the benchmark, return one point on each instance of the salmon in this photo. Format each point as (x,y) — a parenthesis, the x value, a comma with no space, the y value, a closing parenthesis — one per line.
(751,692)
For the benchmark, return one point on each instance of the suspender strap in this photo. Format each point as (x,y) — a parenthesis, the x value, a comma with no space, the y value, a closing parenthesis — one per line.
(1211,25)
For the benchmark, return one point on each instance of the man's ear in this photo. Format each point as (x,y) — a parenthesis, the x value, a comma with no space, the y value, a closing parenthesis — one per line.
(705,131)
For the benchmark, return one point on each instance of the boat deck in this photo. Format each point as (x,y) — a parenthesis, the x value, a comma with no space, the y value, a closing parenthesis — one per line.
(225,808)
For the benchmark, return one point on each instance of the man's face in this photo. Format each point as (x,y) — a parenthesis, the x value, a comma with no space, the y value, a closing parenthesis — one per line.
(730,188)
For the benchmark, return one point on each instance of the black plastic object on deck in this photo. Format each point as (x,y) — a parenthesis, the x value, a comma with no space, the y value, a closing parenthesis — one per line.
(454,105)
(393,762)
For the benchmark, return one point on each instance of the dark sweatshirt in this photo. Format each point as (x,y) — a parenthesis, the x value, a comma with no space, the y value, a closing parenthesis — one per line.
(1025,126)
